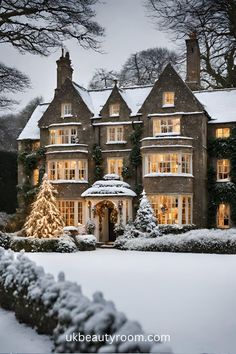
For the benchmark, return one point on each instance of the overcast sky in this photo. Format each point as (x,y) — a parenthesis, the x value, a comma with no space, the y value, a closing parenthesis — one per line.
(128,30)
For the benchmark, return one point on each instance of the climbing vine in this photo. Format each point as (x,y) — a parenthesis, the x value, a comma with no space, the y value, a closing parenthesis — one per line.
(222,192)
(98,160)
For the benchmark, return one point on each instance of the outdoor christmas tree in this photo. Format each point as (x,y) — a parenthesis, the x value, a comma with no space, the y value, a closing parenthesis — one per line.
(145,224)
(45,220)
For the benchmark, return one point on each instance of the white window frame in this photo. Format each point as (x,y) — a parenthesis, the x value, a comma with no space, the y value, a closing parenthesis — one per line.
(63,136)
(66,110)
(116,161)
(166,126)
(60,170)
(181,199)
(77,205)
(168,99)
(114,109)
(221,170)
(169,163)
(220,218)
(115,134)
(221,133)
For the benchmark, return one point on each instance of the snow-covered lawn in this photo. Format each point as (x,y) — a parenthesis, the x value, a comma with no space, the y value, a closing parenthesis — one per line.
(16,337)
(189,296)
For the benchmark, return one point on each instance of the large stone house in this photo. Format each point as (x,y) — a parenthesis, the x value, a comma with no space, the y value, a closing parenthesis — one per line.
(152,137)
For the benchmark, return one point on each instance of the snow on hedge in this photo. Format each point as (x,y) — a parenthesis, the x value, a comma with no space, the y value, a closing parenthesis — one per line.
(195,241)
(60,308)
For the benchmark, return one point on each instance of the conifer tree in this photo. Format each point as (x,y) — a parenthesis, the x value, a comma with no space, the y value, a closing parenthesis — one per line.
(45,220)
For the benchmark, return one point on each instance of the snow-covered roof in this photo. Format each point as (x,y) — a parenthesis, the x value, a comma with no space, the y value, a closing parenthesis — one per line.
(110,186)
(31,130)
(219,104)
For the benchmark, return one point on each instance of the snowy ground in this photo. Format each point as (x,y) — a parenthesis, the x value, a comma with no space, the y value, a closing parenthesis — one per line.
(189,296)
(16,337)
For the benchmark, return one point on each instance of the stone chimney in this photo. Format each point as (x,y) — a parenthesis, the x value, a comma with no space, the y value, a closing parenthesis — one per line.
(193,62)
(64,69)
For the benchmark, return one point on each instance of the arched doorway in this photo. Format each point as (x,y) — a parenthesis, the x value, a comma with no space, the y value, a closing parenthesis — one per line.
(108,215)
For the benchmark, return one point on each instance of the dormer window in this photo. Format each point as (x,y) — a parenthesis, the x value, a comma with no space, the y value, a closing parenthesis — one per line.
(63,136)
(166,126)
(168,99)
(114,110)
(66,110)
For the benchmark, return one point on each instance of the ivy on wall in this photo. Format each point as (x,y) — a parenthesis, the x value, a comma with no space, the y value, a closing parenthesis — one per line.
(98,160)
(222,192)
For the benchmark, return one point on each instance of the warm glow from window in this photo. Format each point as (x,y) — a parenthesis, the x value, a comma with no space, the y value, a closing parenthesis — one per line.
(222,132)
(168,99)
(166,126)
(168,163)
(35,145)
(114,109)
(71,211)
(115,165)
(172,209)
(63,136)
(223,170)
(68,170)
(66,110)
(115,134)
(223,216)
(35,176)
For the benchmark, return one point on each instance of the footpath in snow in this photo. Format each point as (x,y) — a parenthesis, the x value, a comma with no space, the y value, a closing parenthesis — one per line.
(16,337)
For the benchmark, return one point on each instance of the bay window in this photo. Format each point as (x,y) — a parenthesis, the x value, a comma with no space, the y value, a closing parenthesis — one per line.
(71,212)
(63,136)
(71,170)
(172,209)
(169,163)
(165,126)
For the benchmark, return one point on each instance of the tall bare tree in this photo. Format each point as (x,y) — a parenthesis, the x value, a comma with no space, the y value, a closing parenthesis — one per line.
(103,78)
(214,21)
(39,26)
(144,67)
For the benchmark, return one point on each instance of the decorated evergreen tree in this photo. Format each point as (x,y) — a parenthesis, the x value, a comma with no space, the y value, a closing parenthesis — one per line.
(145,224)
(45,220)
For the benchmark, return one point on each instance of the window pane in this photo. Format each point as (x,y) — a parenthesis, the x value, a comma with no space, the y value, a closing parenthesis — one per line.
(223,169)
(168,98)
(223,216)
(222,132)
(114,109)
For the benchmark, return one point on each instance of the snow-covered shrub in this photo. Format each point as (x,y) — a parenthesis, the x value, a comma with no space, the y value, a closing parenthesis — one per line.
(176,229)
(119,229)
(4,219)
(90,227)
(195,241)
(86,242)
(60,308)
(5,240)
(62,245)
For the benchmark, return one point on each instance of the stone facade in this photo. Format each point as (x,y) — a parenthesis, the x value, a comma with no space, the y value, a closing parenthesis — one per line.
(173,146)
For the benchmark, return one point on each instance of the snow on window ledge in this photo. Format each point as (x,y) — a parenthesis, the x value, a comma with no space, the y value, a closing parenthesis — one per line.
(168,105)
(155,174)
(223,180)
(57,181)
(67,116)
(116,142)
(165,134)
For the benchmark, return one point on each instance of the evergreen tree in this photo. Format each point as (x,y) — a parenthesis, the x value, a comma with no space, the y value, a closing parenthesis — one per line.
(45,220)
(145,224)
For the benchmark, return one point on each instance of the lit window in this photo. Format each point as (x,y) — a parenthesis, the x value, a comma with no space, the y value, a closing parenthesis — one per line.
(223,216)
(166,126)
(115,165)
(35,145)
(115,134)
(35,177)
(66,110)
(71,211)
(172,209)
(168,163)
(68,170)
(63,136)
(168,99)
(114,109)
(222,132)
(223,170)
